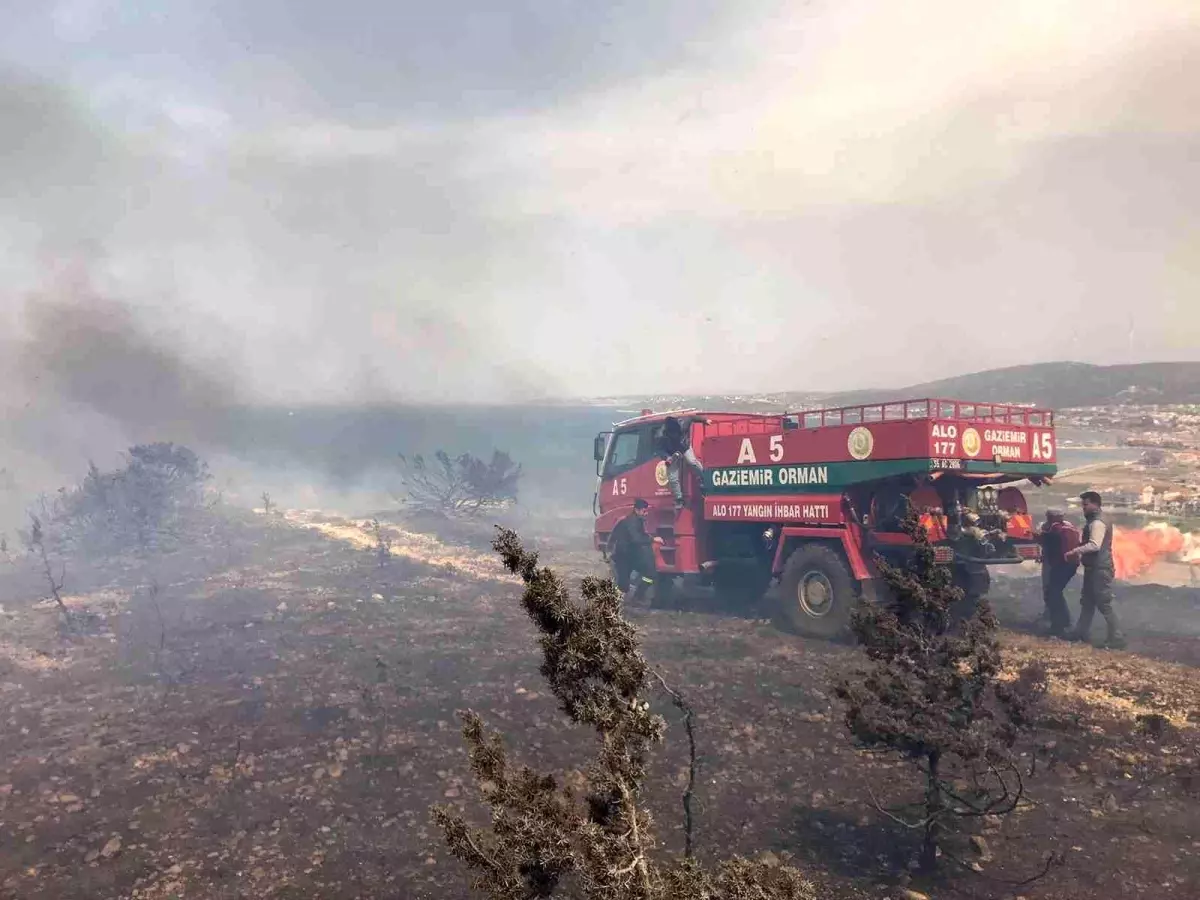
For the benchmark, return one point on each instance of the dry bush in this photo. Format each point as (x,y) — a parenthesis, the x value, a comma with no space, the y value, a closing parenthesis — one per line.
(36,541)
(145,504)
(933,696)
(151,640)
(463,485)
(545,839)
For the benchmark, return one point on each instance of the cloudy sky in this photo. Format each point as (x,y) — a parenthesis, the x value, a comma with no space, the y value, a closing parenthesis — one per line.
(471,199)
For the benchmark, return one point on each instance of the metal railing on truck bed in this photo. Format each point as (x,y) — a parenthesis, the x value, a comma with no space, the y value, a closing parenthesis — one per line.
(928,408)
(737,424)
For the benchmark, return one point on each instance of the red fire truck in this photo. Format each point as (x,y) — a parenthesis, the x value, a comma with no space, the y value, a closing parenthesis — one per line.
(811,498)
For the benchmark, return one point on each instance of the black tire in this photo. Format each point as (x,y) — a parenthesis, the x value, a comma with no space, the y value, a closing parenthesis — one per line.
(741,584)
(665,594)
(817,593)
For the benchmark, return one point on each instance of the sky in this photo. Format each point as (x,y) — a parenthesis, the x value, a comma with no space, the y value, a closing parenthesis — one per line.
(297,201)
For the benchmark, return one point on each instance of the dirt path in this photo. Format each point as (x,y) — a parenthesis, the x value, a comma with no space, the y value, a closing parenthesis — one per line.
(277,727)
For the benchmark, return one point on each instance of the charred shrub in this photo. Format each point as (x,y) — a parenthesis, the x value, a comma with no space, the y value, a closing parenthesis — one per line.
(464,485)
(935,696)
(145,504)
(547,839)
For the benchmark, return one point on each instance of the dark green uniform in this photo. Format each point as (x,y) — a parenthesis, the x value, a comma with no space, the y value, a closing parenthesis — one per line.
(632,554)
(1097,596)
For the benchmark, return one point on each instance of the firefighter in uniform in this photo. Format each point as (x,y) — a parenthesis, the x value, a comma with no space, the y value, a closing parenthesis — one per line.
(676,450)
(632,552)
(1096,555)
(1058,537)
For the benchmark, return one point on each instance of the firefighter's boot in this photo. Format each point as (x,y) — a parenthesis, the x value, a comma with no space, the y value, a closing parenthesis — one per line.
(1083,629)
(639,586)
(1115,640)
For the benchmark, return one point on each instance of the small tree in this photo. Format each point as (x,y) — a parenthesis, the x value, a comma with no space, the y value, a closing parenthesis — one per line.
(148,498)
(544,839)
(936,698)
(160,482)
(36,541)
(462,485)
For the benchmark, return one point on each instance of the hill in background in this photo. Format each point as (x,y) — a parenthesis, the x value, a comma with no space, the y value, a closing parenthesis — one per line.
(1058,385)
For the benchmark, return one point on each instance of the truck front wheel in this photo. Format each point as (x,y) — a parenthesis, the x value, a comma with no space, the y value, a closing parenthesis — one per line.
(665,593)
(817,593)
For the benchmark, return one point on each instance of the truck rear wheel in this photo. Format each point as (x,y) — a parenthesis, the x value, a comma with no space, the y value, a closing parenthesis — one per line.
(817,593)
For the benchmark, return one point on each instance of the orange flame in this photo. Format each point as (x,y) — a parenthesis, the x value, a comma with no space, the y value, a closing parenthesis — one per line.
(1134,552)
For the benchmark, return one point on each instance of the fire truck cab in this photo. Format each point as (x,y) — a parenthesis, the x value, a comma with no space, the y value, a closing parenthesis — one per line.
(812,498)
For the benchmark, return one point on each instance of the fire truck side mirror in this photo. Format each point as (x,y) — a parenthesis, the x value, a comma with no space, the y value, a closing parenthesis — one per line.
(598,445)
(791,423)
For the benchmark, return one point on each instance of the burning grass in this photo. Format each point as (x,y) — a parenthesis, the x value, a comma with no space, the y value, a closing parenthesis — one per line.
(1136,551)
(411,545)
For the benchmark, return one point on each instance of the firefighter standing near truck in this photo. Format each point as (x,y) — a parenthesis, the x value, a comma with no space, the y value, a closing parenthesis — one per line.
(632,552)
(675,449)
(1058,537)
(1098,571)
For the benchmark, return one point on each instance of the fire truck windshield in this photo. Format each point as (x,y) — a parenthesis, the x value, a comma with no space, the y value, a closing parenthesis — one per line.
(624,450)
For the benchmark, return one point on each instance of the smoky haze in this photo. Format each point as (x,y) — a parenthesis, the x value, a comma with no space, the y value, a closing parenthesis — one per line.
(312,240)
(211,208)
(460,204)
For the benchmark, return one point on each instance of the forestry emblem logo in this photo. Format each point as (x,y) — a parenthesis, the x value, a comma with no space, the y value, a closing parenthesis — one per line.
(660,473)
(860,443)
(971,443)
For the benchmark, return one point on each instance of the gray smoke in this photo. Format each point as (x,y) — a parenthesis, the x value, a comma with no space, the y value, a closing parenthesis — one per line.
(86,350)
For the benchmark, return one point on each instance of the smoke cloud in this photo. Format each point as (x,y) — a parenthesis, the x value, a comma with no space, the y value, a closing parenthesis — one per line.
(468,205)
(82,349)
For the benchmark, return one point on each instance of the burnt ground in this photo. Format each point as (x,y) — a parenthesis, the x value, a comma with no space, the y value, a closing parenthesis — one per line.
(277,719)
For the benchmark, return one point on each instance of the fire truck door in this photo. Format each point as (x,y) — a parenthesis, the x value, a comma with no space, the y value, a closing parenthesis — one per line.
(630,471)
